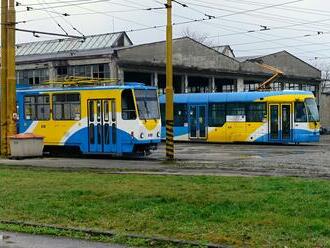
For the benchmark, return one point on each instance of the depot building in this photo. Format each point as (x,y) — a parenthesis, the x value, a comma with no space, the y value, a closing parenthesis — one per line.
(197,68)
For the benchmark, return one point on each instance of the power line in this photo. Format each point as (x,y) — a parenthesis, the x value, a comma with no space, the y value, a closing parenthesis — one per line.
(279,39)
(124,19)
(273,16)
(50,3)
(59,25)
(69,23)
(34,32)
(296,45)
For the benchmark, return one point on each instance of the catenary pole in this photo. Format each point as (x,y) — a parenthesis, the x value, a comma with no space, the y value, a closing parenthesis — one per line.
(11,74)
(4,20)
(169,85)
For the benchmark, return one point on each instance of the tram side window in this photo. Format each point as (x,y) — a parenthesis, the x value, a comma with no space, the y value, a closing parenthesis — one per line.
(162,112)
(235,109)
(180,115)
(127,105)
(255,112)
(217,114)
(36,107)
(300,114)
(66,106)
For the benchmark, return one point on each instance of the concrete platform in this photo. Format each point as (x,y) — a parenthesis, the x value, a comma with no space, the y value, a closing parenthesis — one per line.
(20,240)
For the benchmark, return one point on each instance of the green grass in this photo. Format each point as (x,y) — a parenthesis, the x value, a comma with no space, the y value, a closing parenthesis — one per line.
(239,211)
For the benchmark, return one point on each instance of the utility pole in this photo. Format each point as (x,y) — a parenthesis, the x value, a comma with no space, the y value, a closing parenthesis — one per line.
(169,85)
(4,19)
(11,74)
(8,77)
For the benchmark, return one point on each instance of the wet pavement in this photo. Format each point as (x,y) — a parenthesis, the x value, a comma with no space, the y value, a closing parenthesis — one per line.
(310,160)
(20,240)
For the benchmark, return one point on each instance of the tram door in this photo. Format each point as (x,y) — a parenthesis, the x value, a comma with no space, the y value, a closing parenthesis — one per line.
(280,123)
(102,126)
(197,122)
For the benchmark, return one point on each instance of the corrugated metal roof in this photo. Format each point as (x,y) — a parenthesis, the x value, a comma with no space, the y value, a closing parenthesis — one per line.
(71,44)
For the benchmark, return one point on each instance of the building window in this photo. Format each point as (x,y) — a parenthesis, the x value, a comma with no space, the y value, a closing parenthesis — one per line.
(276,86)
(292,86)
(32,77)
(177,83)
(82,71)
(66,106)
(101,71)
(36,107)
(224,85)
(198,84)
(251,85)
(312,88)
(62,70)
(228,88)
(139,77)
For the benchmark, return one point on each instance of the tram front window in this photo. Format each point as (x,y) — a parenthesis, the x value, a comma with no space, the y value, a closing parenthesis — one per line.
(147,104)
(300,112)
(127,105)
(312,111)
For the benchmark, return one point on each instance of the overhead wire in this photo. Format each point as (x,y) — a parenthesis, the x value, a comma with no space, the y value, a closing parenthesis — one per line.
(67,22)
(57,23)
(146,27)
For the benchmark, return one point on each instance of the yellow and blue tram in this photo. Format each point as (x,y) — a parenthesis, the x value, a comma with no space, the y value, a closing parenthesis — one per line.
(271,117)
(117,119)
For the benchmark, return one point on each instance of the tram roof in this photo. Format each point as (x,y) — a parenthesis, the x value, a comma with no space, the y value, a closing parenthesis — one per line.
(230,96)
(128,85)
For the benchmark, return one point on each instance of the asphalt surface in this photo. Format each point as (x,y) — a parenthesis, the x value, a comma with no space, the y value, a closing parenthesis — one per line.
(309,160)
(19,240)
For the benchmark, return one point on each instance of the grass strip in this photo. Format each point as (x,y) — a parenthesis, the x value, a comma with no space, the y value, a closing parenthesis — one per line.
(235,211)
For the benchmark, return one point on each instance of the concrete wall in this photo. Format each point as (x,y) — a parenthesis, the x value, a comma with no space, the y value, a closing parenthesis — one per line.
(291,65)
(325,111)
(186,53)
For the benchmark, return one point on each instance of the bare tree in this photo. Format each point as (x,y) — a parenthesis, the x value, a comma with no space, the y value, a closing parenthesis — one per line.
(325,75)
(200,37)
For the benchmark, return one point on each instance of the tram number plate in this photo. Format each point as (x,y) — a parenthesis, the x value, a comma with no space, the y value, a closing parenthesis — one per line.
(149,135)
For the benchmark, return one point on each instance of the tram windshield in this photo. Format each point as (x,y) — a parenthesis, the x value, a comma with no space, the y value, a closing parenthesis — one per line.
(147,104)
(312,111)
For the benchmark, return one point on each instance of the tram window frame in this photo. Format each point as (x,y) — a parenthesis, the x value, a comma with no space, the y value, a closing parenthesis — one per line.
(302,119)
(180,114)
(255,114)
(40,107)
(216,108)
(128,111)
(67,103)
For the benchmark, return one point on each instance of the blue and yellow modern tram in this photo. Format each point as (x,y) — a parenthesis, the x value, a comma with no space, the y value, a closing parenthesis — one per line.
(117,119)
(271,117)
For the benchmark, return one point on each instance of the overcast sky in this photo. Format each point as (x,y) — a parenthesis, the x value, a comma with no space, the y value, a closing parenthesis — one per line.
(300,27)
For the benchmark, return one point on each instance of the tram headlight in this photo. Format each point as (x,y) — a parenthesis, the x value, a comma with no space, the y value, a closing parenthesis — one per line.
(158,134)
(141,135)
